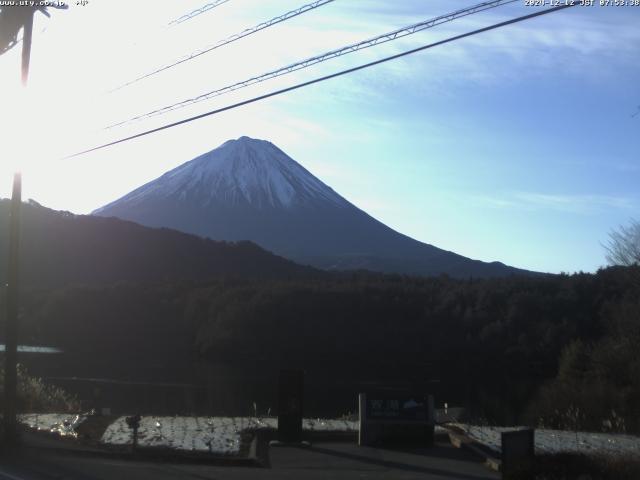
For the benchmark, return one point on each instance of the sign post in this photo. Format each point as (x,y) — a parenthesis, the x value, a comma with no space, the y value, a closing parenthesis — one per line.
(387,418)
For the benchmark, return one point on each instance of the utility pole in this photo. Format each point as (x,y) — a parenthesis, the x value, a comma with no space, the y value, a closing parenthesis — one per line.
(11,325)
(11,320)
(27,36)
(12,19)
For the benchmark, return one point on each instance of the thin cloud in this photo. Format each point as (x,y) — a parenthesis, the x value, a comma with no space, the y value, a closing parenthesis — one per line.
(577,41)
(582,204)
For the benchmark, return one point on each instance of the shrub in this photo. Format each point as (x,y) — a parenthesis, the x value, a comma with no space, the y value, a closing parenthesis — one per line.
(34,395)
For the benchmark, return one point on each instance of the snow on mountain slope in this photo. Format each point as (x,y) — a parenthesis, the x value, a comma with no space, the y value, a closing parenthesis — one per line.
(249,189)
(243,171)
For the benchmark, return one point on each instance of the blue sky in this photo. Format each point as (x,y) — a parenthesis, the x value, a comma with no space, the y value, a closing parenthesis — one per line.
(516,145)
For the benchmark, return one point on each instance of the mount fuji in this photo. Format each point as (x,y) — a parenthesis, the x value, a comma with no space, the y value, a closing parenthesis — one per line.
(248,189)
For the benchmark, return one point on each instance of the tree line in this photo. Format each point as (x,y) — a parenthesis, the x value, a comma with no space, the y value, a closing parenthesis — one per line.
(540,350)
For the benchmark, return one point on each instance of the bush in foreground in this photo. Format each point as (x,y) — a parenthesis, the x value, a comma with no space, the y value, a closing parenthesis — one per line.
(36,396)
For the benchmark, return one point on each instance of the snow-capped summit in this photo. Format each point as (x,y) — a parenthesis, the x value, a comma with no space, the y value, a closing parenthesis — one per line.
(246,172)
(248,189)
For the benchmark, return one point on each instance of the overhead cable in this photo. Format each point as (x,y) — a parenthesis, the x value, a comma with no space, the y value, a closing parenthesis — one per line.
(387,37)
(197,11)
(232,38)
(321,79)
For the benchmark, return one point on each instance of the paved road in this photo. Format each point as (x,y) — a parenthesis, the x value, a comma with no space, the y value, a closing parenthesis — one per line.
(321,461)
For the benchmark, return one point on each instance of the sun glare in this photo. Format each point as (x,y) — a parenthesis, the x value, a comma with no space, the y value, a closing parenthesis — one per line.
(28,133)
(15,129)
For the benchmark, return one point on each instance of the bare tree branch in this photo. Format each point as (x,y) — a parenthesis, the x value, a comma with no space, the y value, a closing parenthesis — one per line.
(623,247)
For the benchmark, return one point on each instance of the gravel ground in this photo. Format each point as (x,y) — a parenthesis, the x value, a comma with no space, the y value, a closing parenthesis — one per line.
(559,441)
(219,435)
(63,424)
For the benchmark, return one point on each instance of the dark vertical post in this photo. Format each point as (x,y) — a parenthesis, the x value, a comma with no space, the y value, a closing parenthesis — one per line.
(11,325)
(363,430)
(26,46)
(518,454)
(290,402)
(134,424)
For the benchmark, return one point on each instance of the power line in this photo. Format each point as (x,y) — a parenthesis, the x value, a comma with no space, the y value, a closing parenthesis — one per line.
(232,38)
(322,79)
(387,37)
(197,11)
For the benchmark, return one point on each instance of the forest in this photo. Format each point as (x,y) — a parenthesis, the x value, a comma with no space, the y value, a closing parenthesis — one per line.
(550,350)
